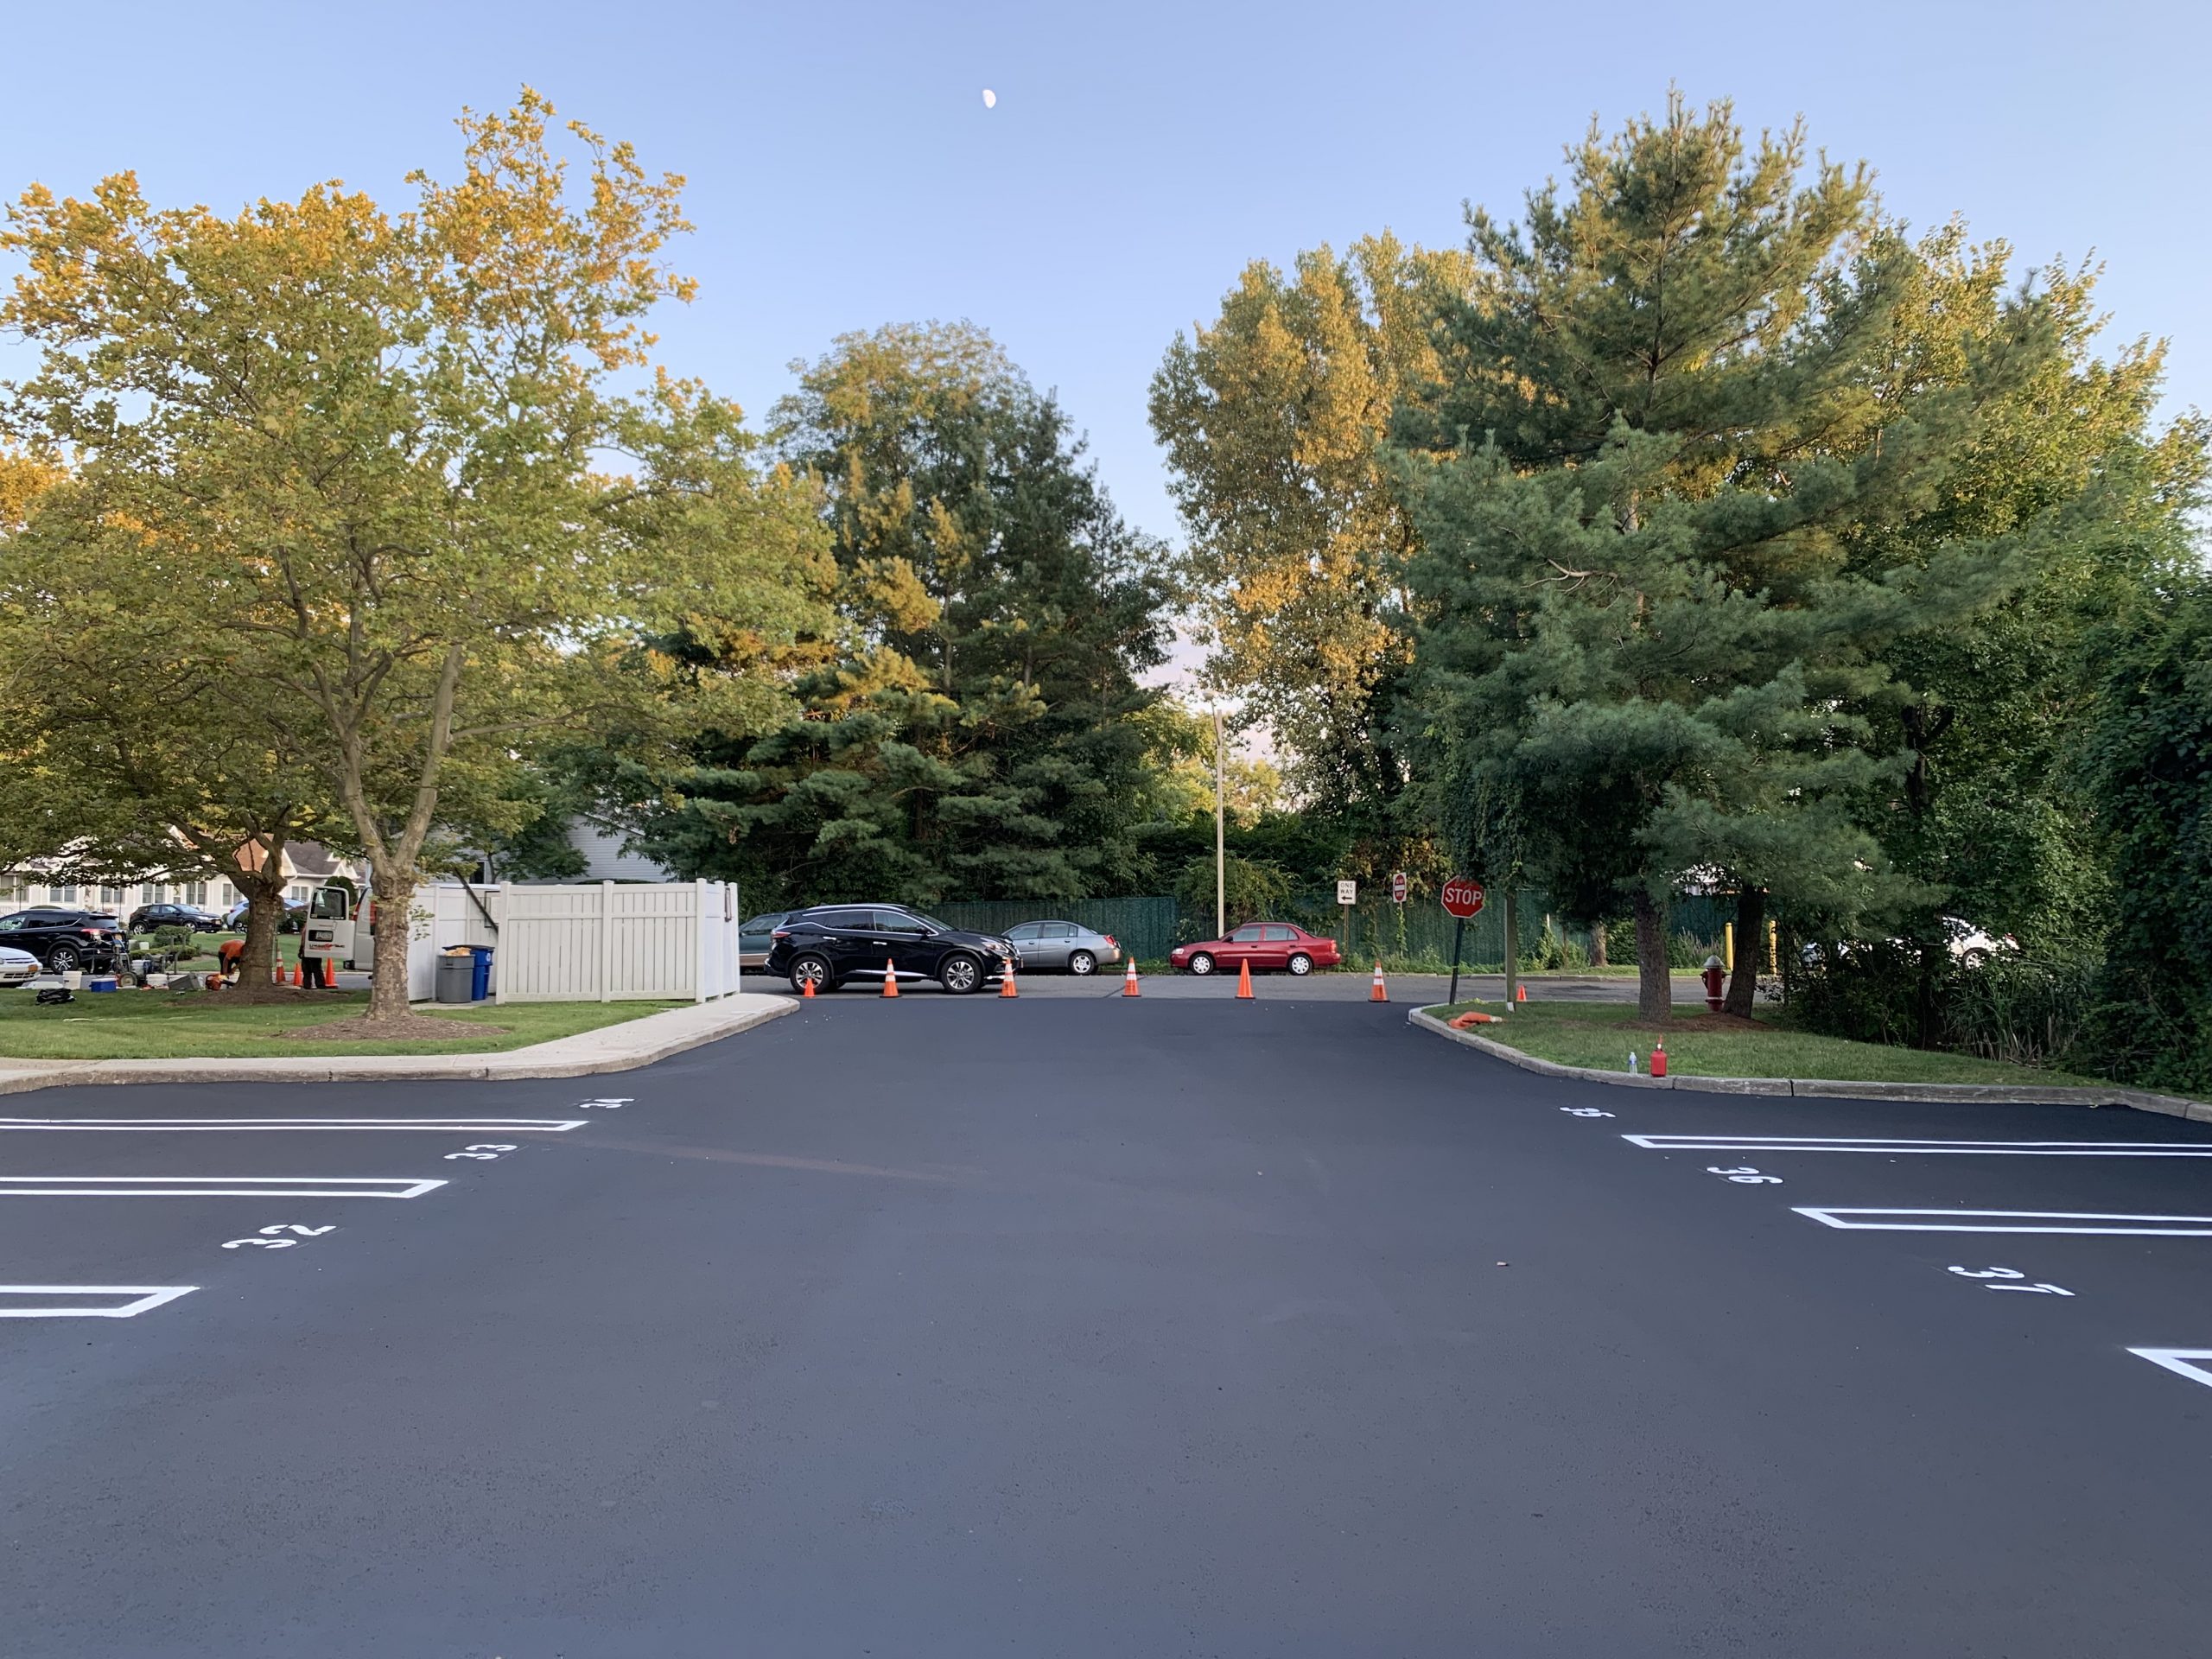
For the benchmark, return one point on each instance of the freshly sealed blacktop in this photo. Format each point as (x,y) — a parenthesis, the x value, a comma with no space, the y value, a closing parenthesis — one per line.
(1087,1326)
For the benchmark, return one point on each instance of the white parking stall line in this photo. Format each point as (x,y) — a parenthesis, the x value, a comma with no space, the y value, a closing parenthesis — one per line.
(223,1125)
(2006,1221)
(144,1297)
(213,1186)
(2179,1360)
(1982,1149)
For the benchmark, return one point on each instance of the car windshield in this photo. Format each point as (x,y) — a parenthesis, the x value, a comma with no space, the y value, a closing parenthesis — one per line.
(763,923)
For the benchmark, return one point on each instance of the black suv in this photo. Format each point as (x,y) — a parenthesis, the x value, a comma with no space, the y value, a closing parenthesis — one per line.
(65,940)
(833,944)
(147,917)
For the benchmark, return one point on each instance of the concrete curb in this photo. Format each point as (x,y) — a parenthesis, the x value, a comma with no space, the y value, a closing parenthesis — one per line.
(614,1048)
(2197,1111)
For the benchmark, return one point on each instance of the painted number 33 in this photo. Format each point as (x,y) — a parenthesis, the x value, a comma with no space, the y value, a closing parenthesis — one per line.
(272,1238)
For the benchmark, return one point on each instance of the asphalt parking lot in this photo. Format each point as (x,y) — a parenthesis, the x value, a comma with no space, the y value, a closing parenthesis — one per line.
(1058,1327)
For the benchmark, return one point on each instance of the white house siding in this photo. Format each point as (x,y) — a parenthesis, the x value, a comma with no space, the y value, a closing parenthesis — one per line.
(604,859)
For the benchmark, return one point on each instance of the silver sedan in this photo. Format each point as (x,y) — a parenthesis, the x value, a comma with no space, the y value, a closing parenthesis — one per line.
(1067,945)
(17,966)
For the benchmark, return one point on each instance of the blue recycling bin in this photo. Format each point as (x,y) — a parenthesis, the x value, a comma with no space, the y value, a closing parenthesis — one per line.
(481,985)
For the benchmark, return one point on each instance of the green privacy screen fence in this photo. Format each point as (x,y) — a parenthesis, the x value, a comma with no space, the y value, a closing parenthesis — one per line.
(1145,927)
(1419,930)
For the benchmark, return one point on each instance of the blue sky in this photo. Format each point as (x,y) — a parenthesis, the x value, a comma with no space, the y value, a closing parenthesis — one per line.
(844,172)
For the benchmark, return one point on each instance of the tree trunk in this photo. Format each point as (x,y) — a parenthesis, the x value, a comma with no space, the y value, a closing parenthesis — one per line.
(394,897)
(264,910)
(1750,943)
(1654,987)
(1598,946)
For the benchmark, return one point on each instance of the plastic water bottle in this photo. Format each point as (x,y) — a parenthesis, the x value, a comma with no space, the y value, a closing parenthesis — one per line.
(1632,1062)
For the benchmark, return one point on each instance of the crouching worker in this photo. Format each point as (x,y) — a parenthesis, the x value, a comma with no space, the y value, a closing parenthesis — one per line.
(230,954)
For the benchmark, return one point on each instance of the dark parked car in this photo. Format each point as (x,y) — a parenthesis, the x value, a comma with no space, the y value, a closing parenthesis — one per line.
(834,944)
(65,939)
(147,917)
(1263,944)
(755,936)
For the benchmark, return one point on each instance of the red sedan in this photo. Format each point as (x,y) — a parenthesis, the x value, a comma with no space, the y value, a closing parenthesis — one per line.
(1262,945)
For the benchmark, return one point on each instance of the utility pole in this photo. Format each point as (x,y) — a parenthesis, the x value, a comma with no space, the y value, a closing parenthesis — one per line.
(1220,861)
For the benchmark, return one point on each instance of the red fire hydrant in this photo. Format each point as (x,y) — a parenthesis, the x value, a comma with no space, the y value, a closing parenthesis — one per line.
(1713,982)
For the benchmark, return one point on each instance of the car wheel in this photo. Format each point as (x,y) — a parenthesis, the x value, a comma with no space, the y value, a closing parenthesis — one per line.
(959,974)
(1082,962)
(1202,963)
(65,959)
(1301,963)
(814,969)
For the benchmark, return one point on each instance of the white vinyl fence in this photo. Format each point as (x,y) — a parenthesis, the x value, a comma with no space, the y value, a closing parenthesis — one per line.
(588,941)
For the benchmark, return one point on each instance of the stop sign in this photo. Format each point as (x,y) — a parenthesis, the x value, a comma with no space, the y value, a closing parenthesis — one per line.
(1462,898)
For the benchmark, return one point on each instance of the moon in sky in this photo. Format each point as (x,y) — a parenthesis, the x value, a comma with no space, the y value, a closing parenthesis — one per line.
(990,98)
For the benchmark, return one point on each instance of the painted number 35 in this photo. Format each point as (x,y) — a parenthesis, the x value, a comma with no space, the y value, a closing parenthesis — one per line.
(1743,1175)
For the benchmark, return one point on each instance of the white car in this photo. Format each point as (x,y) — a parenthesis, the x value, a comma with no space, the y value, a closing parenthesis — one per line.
(16,966)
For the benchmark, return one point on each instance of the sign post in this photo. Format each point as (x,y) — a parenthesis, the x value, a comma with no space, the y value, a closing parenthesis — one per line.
(1462,899)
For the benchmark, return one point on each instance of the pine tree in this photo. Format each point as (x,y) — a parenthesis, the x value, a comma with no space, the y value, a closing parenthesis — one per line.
(1651,483)
(971,734)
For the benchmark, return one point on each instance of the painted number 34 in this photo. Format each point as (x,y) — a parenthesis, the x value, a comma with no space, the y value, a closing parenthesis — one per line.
(2009,1273)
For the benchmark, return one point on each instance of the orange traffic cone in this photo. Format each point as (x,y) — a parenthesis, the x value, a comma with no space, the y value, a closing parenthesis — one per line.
(1129,980)
(806,990)
(1520,993)
(1006,983)
(1378,992)
(890,978)
(298,978)
(1244,981)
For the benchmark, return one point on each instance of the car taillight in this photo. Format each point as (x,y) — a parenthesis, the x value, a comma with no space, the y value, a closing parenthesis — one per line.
(92,932)
(779,933)
(1109,939)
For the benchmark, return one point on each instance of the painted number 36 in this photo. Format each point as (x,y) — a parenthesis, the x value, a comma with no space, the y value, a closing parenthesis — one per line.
(1743,1175)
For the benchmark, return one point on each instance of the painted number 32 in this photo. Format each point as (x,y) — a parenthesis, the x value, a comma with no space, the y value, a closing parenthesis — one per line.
(481,1151)
(1743,1175)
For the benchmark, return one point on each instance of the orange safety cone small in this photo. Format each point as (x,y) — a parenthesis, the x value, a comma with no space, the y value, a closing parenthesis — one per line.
(1659,1060)
(1244,982)
(1378,992)
(1520,993)
(1006,983)
(806,989)
(890,978)
(1129,980)
(298,978)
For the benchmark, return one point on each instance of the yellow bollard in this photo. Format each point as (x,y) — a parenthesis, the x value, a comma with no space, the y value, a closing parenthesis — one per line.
(1728,946)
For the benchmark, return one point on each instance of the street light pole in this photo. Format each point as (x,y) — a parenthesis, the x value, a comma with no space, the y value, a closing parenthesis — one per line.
(1220,861)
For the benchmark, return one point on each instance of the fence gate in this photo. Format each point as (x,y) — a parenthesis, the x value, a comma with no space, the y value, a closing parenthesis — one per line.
(617,941)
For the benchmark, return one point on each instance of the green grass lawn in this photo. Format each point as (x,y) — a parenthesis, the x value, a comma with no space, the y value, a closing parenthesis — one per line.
(157,1025)
(1598,1035)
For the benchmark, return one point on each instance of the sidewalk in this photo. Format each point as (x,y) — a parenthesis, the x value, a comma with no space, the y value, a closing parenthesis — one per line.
(613,1048)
